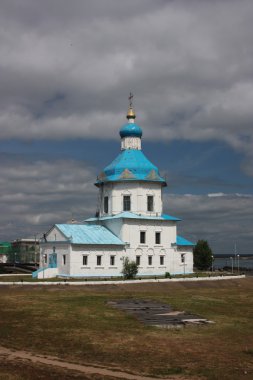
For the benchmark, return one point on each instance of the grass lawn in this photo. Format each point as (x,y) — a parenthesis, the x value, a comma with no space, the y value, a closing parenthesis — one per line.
(76,324)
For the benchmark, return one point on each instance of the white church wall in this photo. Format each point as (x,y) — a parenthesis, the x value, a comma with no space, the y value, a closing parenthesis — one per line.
(183,260)
(138,192)
(55,235)
(132,227)
(89,266)
(61,250)
(114,225)
(162,254)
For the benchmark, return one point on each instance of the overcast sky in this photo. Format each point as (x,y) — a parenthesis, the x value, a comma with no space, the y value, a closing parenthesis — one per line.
(66,69)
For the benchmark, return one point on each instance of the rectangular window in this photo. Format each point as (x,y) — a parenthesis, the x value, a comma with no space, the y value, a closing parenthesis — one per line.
(126,203)
(138,260)
(158,237)
(85,260)
(64,259)
(142,237)
(106,204)
(161,260)
(112,260)
(150,203)
(183,258)
(149,260)
(99,260)
(45,259)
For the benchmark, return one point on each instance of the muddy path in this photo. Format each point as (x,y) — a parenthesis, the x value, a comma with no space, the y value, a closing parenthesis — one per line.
(12,355)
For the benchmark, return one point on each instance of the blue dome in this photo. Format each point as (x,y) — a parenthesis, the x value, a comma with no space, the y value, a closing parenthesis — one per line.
(130,165)
(130,129)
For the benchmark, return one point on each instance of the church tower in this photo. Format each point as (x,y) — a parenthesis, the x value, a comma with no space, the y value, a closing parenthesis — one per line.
(131,183)
(129,223)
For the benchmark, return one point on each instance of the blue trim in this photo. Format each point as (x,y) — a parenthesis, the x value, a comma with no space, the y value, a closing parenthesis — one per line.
(131,215)
(35,273)
(183,242)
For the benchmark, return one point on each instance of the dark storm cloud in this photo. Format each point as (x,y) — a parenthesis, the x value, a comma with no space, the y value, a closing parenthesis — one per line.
(66,69)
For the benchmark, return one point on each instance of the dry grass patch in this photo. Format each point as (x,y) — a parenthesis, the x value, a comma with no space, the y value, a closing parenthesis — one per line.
(76,324)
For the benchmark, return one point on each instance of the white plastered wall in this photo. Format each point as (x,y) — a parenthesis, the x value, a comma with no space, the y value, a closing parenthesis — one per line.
(187,266)
(55,235)
(138,192)
(60,249)
(92,269)
(131,234)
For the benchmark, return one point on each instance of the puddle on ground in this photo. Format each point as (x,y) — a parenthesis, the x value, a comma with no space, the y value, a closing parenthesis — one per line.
(158,314)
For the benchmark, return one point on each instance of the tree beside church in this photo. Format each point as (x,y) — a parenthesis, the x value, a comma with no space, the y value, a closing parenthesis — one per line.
(202,255)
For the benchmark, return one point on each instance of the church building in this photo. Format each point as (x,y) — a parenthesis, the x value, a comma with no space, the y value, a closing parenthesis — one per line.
(129,223)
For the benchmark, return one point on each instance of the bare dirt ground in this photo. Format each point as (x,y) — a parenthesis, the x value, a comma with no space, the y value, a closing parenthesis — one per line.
(12,356)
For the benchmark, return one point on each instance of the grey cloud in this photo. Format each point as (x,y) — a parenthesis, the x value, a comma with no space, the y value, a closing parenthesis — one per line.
(35,195)
(222,219)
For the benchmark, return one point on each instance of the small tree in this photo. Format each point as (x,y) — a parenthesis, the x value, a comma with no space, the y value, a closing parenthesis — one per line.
(130,269)
(202,255)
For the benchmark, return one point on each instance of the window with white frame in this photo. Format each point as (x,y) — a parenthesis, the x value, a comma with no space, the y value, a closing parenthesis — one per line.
(112,260)
(64,259)
(183,258)
(150,203)
(161,260)
(158,237)
(138,260)
(142,237)
(85,260)
(150,260)
(99,260)
(126,203)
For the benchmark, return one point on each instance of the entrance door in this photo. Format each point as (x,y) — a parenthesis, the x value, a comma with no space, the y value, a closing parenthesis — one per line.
(53,260)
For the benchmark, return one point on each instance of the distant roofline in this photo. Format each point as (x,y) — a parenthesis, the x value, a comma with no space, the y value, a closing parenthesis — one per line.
(30,240)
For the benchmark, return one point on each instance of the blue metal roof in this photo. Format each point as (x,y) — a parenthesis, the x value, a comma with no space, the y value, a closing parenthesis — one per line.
(88,234)
(130,165)
(130,129)
(131,215)
(183,242)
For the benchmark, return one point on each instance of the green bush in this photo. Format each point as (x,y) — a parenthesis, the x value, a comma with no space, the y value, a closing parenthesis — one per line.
(130,269)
